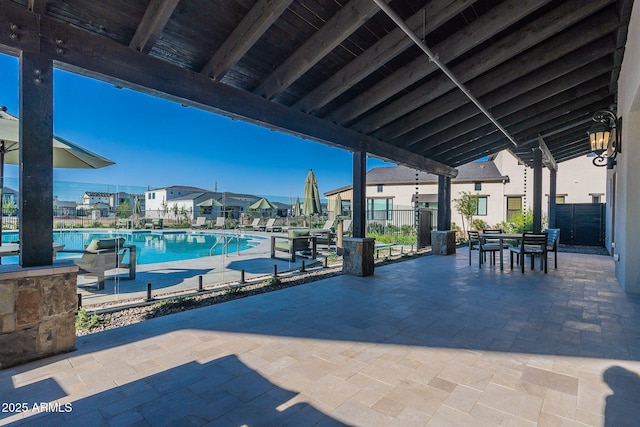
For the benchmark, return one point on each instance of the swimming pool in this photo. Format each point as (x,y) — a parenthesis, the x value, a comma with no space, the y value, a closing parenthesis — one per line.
(151,247)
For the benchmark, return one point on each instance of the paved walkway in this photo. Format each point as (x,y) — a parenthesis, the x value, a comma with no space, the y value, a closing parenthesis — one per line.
(429,341)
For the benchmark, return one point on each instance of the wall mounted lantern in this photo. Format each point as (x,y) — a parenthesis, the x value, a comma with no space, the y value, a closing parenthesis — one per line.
(604,145)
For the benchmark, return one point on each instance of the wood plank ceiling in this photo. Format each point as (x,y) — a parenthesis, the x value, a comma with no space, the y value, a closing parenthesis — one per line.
(343,73)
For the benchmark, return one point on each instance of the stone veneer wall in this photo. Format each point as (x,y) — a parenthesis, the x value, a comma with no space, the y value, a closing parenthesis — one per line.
(37,313)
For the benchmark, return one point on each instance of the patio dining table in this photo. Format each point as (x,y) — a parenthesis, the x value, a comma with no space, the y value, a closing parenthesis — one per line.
(500,237)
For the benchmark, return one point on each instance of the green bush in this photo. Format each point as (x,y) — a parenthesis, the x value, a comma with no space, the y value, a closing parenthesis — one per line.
(86,322)
(479,224)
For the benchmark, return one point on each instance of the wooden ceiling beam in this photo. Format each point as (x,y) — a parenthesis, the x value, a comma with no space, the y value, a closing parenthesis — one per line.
(460,122)
(483,28)
(104,59)
(347,20)
(153,22)
(492,91)
(540,125)
(507,48)
(254,24)
(380,53)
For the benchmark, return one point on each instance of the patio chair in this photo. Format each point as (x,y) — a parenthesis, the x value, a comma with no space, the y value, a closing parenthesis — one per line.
(474,242)
(219,222)
(552,243)
(156,223)
(102,255)
(488,245)
(346,227)
(297,240)
(271,225)
(531,244)
(201,222)
(254,224)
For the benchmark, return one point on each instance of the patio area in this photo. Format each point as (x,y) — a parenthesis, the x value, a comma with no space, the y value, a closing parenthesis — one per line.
(428,341)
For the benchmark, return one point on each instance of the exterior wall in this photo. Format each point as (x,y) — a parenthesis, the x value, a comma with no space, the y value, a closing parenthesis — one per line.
(625,177)
(154,206)
(37,313)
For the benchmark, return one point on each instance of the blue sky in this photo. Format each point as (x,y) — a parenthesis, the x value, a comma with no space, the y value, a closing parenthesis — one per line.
(158,143)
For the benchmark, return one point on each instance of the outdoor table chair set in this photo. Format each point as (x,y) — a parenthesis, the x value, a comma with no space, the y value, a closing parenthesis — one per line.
(519,245)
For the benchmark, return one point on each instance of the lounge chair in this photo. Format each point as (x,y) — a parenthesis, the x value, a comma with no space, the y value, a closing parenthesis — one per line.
(102,255)
(124,223)
(219,222)
(155,224)
(201,222)
(346,227)
(271,225)
(255,224)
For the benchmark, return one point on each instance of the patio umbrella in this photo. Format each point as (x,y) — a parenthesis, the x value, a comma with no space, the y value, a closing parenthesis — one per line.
(66,154)
(262,204)
(311,205)
(337,207)
(297,208)
(210,203)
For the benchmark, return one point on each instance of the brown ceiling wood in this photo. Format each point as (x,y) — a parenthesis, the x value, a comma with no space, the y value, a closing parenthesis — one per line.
(342,73)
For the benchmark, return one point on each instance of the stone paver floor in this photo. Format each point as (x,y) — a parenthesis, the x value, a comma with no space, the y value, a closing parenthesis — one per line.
(429,341)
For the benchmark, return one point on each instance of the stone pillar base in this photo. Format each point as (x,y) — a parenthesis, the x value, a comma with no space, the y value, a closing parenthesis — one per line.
(443,242)
(37,312)
(357,256)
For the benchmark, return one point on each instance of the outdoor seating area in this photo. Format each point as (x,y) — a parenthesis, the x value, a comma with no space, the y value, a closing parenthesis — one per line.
(154,223)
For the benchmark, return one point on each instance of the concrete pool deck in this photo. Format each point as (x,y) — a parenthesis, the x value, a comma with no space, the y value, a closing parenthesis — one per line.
(177,276)
(429,341)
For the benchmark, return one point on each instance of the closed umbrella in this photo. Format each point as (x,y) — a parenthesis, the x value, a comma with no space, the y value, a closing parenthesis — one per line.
(137,208)
(311,205)
(297,208)
(337,207)
(66,154)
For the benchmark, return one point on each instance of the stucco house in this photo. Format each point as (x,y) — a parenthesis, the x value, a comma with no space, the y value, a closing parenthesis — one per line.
(503,187)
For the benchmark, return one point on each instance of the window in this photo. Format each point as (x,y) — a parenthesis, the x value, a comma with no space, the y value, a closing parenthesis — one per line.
(560,200)
(477,186)
(380,209)
(514,207)
(596,198)
(482,206)
(152,196)
(379,188)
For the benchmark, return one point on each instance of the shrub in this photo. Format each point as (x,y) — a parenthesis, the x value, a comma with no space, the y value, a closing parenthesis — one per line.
(86,322)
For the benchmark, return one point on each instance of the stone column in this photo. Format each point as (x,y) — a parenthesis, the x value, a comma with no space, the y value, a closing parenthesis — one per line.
(37,312)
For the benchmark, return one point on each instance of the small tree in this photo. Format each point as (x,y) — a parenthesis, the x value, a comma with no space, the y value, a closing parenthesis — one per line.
(9,207)
(466,206)
(124,210)
(164,208)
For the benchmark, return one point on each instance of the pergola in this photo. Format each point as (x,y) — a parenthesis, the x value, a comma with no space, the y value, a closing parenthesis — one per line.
(428,84)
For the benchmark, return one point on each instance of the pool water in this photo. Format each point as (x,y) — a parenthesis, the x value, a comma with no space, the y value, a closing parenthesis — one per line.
(151,247)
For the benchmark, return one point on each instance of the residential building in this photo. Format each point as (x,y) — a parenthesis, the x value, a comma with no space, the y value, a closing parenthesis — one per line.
(503,187)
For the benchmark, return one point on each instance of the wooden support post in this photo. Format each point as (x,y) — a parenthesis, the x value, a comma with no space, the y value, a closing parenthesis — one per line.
(36,159)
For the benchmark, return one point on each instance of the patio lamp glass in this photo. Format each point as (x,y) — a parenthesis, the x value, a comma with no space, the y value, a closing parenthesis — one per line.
(599,135)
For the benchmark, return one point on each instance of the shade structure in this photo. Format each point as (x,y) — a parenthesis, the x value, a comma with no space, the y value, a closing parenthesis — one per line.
(262,204)
(210,203)
(311,205)
(337,206)
(297,208)
(66,154)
